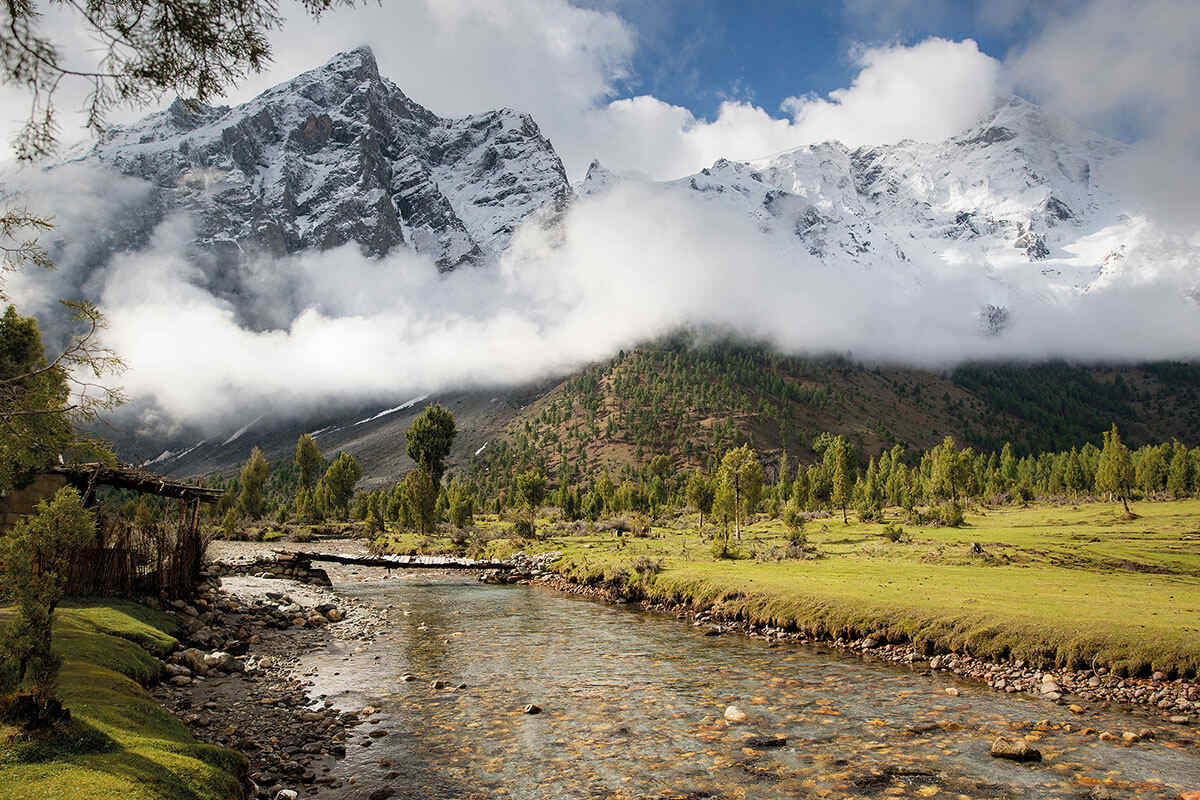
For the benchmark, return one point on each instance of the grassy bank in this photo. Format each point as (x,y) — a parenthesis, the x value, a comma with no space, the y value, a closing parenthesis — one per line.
(119,742)
(1055,585)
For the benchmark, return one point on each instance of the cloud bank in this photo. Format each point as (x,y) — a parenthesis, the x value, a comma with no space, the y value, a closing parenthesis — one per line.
(635,262)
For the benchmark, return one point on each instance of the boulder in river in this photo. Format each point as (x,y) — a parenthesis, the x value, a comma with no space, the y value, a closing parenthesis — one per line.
(532,709)
(1018,750)
(735,715)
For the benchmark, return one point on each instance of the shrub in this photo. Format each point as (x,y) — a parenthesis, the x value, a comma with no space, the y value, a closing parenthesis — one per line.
(950,515)
(894,533)
(522,529)
(304,535)
(646,567)
(38,553)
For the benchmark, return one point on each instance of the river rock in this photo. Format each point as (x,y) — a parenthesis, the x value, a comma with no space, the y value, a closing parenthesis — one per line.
(286,794)
(763,742)
(735,715)
(177,670)
(381,794)
(1192,794)
(193,659)
(1019,750)
(532,709)
(219,660)
(952,691)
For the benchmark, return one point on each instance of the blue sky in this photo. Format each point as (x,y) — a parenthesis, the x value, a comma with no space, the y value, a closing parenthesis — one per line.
(697,53)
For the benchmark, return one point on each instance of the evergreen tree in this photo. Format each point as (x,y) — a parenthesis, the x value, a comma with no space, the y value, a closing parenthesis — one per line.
(253,476)
(340,479)
(1073,476)
(420,499)
(308,459)
(38,553)
(531,487)
(429,439)
(1179,482)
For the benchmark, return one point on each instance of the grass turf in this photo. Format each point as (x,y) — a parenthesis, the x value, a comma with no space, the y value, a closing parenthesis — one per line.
(119,741)
(1059,585)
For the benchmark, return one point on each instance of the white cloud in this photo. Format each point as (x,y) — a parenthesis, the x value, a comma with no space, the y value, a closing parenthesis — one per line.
(630,264)
(1121,62)
(562,64)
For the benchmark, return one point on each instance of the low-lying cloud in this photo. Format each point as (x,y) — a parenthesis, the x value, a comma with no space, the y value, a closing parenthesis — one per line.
(631,264)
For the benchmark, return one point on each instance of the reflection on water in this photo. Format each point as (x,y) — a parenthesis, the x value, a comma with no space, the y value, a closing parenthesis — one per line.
(633,707)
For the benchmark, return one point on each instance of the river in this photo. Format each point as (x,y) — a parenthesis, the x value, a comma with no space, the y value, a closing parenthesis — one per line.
(632,707)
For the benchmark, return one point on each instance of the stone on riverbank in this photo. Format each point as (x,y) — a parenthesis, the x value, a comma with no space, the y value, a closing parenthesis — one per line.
(1019,750)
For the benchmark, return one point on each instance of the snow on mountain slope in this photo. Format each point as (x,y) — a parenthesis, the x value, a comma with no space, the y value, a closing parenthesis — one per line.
(1020,196)
(340,154)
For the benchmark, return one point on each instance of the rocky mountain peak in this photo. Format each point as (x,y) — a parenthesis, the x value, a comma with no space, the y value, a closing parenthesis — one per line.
(338,154)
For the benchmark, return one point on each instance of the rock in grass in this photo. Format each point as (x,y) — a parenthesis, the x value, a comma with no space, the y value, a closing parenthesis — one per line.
(735,715)
(1019,750)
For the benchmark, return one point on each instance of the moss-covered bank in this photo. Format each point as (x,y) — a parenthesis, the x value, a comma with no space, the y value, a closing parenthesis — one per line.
(119,741)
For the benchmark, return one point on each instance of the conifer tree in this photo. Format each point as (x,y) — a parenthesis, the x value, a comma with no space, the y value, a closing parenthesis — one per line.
(308,459)
(253,477)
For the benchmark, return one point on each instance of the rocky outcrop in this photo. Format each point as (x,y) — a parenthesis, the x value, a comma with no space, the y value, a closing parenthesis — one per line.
(340,154)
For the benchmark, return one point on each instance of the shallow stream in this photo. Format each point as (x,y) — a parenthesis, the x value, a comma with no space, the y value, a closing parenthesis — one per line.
(632,707)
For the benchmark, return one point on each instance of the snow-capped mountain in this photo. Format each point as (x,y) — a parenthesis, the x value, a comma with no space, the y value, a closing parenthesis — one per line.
(340,154)
(1020,195)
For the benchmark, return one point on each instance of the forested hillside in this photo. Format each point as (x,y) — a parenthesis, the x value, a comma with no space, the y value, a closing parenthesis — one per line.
(692,401)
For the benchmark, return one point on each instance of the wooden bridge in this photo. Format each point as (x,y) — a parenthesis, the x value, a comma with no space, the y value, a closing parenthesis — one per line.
(396,562)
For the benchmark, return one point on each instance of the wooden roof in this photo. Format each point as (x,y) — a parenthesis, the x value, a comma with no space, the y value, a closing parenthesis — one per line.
(127,476)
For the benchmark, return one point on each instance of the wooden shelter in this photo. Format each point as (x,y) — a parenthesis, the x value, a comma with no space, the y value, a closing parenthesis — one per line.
(162,557)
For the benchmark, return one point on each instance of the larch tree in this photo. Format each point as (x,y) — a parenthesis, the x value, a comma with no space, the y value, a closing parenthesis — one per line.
(1114,473)
(740,482)
(700,493)
(842,481)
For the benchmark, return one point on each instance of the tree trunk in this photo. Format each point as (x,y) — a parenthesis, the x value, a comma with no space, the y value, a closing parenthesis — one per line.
(844,520)
(1125,503)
